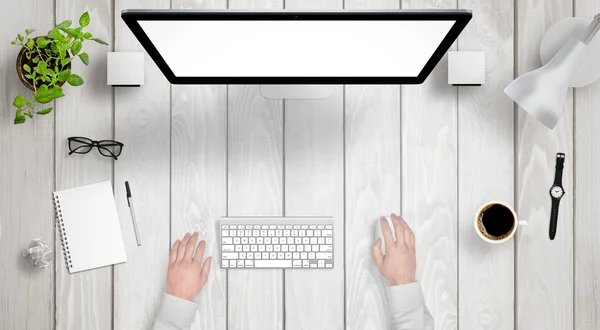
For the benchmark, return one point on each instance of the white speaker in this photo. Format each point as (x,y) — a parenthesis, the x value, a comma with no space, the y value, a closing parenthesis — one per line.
(466,68)
(125,69)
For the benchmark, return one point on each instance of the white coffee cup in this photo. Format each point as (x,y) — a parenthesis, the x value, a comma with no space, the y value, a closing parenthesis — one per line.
(508,236)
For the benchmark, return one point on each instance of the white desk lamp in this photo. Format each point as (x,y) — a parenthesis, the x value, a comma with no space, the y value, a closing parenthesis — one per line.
(542,92)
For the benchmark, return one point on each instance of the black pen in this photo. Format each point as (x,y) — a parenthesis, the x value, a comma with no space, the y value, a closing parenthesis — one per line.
(130,203)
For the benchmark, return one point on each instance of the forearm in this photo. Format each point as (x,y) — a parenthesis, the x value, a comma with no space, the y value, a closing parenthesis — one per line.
(175,314)
(407,308)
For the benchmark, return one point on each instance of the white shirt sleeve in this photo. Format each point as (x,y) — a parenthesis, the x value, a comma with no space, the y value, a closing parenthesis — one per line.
(175,314)
(407,308)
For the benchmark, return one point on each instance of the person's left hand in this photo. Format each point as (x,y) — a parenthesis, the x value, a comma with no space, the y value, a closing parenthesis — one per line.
(187,275)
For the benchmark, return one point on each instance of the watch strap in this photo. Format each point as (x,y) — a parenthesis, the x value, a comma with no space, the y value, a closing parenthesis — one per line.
(554,217)
(560,164)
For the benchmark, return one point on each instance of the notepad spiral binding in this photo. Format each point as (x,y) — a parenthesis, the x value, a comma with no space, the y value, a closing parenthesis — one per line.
(64,242)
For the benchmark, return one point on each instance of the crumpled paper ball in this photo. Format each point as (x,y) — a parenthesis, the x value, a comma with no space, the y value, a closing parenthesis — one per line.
(38,253)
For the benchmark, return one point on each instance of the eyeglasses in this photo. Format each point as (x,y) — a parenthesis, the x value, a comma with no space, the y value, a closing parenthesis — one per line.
(83,145)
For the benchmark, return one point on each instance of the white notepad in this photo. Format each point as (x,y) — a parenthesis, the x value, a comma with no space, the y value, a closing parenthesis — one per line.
(89,227)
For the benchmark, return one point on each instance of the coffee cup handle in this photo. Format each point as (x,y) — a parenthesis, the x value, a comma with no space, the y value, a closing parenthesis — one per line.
(522,223)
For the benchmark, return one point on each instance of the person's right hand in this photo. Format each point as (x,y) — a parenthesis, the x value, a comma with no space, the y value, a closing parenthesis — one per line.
(187,274)
(399,264)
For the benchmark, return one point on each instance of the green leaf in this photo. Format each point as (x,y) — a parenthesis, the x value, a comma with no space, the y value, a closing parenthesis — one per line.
(20,37)
(36,59)
(75,80)
(84,58)
(41,67)
(100,41)
(19,101)
(29,31)
(65,24)
(55,34)
(76,47)
(42,42)
(30,43)
(65,61)
(14,42)
(44,112)
(19,117)
(64,75)
(28,76)
(69,31)
(84,20)
(87,35)
(27,68)
(28,114)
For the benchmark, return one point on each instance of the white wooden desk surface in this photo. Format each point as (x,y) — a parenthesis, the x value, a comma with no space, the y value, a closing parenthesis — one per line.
(433,153)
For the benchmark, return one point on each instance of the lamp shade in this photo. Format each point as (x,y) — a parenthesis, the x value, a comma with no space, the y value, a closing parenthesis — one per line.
(542,92)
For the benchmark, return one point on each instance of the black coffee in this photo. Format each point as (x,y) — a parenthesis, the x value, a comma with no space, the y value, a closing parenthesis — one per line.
(497,220)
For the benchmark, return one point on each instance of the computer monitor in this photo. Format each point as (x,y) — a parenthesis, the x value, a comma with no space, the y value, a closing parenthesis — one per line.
(296,47)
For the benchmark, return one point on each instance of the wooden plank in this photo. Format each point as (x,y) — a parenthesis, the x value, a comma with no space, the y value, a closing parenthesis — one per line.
(429,167)
(586,194)
(199,176)
(373,148)
(255,173)
(143,124)
(314,185)
(84,300)
(544,268)
(486,169)
(26,181)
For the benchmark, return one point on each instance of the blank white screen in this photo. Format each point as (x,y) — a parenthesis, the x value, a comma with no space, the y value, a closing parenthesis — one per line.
(296,48)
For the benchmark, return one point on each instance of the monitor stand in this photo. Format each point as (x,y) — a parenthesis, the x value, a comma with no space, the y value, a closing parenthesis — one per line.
(296,92)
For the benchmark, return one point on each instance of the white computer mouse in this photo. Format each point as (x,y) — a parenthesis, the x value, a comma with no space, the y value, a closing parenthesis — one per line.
(379,233)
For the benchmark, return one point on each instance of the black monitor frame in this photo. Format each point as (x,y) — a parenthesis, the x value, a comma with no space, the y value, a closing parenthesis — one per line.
(132,17)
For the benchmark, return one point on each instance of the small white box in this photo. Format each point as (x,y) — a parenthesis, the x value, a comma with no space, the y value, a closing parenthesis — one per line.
(466,68)
(125,69)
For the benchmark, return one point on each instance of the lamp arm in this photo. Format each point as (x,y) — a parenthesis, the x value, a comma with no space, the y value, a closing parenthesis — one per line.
(591,30)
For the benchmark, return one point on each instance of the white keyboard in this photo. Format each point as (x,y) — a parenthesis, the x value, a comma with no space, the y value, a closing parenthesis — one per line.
(249,242)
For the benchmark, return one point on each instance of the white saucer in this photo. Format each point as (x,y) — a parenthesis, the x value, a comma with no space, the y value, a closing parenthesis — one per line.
(556,37)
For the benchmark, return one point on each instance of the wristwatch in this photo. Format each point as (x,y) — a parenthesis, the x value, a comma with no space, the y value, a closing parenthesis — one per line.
(556,193)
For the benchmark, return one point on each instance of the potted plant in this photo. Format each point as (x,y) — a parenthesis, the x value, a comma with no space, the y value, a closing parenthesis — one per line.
(44,64)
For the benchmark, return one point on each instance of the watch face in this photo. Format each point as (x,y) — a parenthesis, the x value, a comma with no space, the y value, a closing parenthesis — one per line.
(556,192)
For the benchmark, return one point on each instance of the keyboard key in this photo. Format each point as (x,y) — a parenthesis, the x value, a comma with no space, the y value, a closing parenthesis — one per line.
(284,248)
(295,255)
(232,233)
(236,240)
(300,248)
(307,248)
(290,240)
(241,226)
(327,255)
(263,233)
(224,233)
(253,248)
(296,226)
(301,233)
(244,240)
(278,233)
(246,248)
(312,226)
(233,227)
(252,240)
(310,233)
(313,240)
(238,248)
(292,248)
(256,227)
(320,226)
(261,248)
(240,233)
(297,263)
(311,255)
(297,240)
(226,240)
(242,255)
(305,264)
(229,255)
(328,226)
(327,233)
(317,233)
(248,233)
(276,248)
(270,233)
(275,240)
(240,263)
(224,263)
(315,248)
(260,240)
(257,255)
(272,264)
(224,226)
(265,255)
(288,226)
(256,233)
(280,255)
(321,264)
(303,255)
(272,227)
(264,227)
(304,226)
(286,233)
(273,255)
(294,233)
(325,248)
(250,255)
(227,248)
(328,240)
(321,240)
(232,263)
(305,240)
(280,227)
(249,263)
(267,240)
(288,255)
